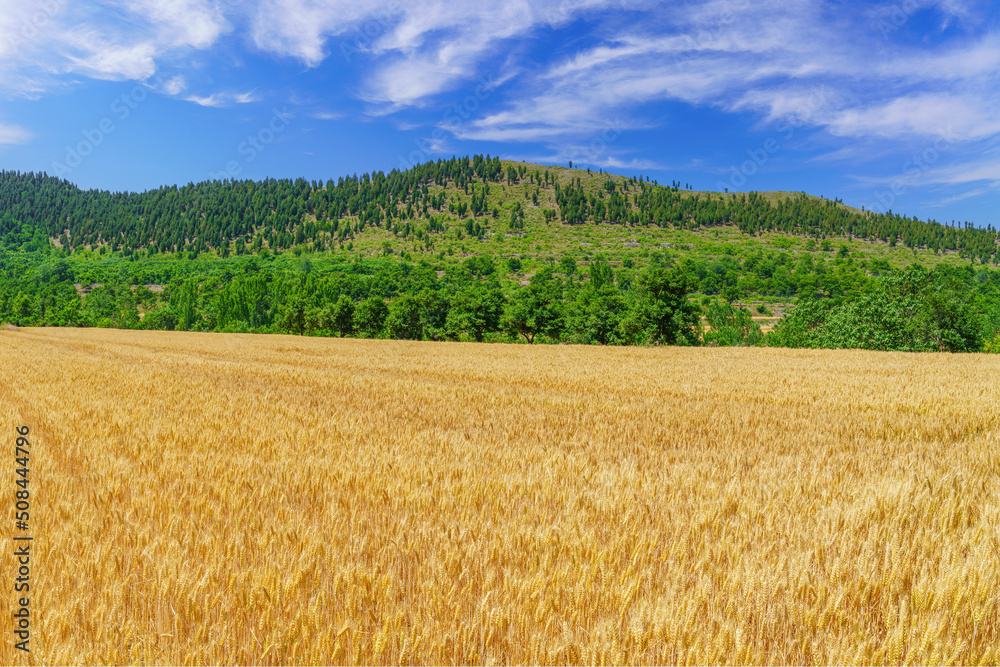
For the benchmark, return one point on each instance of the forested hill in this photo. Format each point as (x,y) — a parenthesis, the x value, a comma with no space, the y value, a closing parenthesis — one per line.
(487,250)
(481,195)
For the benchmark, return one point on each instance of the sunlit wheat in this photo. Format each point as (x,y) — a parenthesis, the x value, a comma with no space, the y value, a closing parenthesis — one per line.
(208,498)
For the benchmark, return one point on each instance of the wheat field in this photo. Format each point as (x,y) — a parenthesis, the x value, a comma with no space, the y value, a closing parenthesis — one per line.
(218,499)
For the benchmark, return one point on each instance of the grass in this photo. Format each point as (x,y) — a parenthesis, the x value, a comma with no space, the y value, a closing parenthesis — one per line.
(212,498)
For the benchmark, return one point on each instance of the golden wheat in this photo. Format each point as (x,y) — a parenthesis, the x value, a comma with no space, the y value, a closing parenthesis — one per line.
(207,498)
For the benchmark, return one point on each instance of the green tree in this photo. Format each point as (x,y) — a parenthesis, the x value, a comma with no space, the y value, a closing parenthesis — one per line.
(911,310)
(672,318)
(597,314)
(293,315)
(535,309)
(341,315)
(601,273)
(948,321)
(370,316)
(434,308)
(185,304)
(161,319)
(404,319)
(475,310)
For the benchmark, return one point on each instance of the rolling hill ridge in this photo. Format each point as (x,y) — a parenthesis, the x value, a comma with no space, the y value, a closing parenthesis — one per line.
(476,197)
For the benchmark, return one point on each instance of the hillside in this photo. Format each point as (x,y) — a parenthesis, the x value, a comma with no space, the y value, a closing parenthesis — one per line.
(482,249)
(478,205)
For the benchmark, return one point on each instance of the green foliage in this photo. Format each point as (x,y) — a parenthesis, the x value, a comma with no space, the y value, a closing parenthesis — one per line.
(292,314)
(340,316)
(404,319)
(803,327)
(876,321)
(671,318)
(111,306)
(535,309)
(475,310)
(911,310)
(601,273)
(597,315)
(731,326)
(163,319)
(370,316)
(991,323)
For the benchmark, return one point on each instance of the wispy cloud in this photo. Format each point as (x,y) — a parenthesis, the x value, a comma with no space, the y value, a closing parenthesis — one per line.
(47,44)
(972,171)
(174,85)
(12,135)
(969,194)
(326,115)
(922,114)
(422,48)
(224,99)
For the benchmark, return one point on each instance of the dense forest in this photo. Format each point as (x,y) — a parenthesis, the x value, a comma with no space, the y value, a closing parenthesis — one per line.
(278,256)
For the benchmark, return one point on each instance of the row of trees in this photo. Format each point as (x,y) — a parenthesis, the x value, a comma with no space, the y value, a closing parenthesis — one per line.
(916,309)
(655,311)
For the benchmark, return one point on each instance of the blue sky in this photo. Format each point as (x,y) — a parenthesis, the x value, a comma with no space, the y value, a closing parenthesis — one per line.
(881,104)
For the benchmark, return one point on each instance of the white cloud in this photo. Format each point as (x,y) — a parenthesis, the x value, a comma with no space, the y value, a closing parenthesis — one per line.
(174,86)
(968,194)
(224,99)
(789,62)
(971,171)
(90,53)
(180,23)
(928,114)
(12,135)
(44,45)
(327,115)
(300,28)
(421,48)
